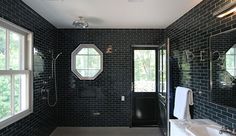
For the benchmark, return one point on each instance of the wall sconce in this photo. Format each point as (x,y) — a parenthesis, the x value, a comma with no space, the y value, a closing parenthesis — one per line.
(109,49)
(226,10)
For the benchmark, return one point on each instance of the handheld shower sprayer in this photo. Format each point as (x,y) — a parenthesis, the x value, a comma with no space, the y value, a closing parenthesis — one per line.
(54,60)
(54,77)
(57,56)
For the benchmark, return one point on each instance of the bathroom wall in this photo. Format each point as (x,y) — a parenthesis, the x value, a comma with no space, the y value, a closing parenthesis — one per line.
(42,121)
(79,100)
(191,32)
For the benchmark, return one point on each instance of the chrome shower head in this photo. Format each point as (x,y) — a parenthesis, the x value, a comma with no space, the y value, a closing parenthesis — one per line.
(57,56)
(80,23)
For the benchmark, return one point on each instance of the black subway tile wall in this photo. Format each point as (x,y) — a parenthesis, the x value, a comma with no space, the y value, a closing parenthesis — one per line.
(191,33)
(42,121)
(80,100)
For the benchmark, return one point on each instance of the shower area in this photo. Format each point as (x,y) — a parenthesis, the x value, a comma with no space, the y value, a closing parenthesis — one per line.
(49,88)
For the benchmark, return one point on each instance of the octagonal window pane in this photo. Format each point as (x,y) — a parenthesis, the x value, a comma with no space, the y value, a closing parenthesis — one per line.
(88,73)
(92,51)
(81,62)
(92,73)
(94,62)
(87,61)
(83,51)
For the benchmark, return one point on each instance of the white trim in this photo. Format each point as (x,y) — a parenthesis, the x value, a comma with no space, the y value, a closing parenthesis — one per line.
(13,27)
(145,46)
(168,85)
(14,72)
(13,119)
(12,95)
(7,47)
(73,61)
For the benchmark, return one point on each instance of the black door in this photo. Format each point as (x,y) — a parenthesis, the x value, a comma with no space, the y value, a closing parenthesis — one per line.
(144,96)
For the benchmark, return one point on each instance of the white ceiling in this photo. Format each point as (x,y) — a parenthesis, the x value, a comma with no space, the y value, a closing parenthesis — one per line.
(113,13)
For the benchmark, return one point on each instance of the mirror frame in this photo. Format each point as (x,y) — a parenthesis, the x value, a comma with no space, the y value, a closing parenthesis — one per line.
(210,64)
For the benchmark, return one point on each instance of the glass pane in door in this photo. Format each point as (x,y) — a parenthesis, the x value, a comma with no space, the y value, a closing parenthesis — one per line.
(163,71)
(144,71)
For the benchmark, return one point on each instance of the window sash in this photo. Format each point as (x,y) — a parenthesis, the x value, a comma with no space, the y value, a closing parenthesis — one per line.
(7,49)
(25,69)
(88,55)
(12,27)
(12,74)
(87,69)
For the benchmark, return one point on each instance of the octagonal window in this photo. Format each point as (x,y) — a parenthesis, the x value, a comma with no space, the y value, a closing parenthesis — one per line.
(87,61)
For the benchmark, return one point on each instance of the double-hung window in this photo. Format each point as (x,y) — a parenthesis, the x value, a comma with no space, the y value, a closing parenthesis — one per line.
(15,73)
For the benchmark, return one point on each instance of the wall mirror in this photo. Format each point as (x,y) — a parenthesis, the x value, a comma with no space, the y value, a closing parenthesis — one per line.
(39,65)
(223,68)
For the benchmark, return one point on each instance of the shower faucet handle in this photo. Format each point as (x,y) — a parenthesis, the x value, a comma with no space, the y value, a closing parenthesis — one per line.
(45,82)
(224,128)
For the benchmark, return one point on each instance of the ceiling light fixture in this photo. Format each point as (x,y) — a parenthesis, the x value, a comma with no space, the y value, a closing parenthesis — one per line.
(226,10)
(135,0)
(80,23)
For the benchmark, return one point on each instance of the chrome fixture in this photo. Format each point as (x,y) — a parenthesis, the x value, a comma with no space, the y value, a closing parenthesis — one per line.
(54,76)
(228,131)
(135,1)
(226,10)
(80,22)
(54,63)
(45,90)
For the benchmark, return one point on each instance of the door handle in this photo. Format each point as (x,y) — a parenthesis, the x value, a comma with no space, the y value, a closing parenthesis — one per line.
(132,86)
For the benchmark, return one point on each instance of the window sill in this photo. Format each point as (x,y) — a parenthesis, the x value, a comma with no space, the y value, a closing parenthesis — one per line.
(15,118)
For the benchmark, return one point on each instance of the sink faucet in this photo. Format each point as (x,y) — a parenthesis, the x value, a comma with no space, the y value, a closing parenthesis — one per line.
(228,131)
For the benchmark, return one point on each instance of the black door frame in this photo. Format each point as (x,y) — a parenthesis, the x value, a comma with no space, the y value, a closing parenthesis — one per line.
(142,47)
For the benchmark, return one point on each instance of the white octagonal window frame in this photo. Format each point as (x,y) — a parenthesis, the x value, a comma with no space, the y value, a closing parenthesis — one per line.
(73,61)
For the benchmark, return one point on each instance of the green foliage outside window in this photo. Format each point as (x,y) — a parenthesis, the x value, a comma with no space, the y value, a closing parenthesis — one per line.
(5,81)
(5,96)
(2,48)
(145,65)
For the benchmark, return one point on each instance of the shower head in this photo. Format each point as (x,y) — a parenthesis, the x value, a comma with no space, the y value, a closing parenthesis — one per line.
(80,23)
(57,56)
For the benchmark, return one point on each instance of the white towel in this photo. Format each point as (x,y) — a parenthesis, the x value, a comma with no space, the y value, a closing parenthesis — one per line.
(183,98)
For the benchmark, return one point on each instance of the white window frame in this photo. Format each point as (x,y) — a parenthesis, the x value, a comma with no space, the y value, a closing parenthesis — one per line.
(73,61)
(26,69)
